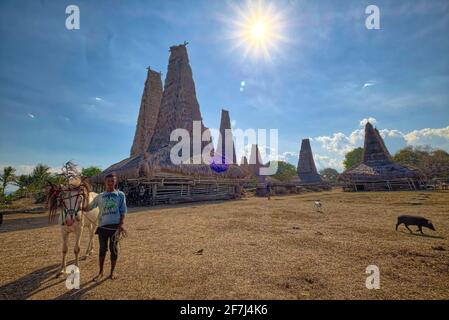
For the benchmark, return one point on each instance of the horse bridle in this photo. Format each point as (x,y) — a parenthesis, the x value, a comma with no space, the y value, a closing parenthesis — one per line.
(72,210)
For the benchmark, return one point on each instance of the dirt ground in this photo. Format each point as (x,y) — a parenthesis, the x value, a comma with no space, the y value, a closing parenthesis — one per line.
(252,249)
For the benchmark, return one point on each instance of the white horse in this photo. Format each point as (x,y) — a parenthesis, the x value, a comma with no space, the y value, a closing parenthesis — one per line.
(71,201)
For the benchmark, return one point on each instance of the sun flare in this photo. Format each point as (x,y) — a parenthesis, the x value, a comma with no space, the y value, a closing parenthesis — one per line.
(258,29)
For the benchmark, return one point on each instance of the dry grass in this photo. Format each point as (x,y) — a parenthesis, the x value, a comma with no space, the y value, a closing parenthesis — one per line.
(252,249)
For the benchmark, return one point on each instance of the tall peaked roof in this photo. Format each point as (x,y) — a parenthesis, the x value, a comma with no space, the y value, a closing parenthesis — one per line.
(179,106)
(225,146)
(148,113)
(374,150)
(307,171)
(255,160)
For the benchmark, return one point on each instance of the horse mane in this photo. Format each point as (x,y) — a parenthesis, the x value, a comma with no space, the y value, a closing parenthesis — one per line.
(53,192)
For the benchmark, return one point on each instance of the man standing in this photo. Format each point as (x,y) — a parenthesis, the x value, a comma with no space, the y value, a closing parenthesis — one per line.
(268,186)
(112,205)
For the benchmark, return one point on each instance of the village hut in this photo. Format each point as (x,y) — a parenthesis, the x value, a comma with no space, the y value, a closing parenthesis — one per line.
(308,175)
(378,171)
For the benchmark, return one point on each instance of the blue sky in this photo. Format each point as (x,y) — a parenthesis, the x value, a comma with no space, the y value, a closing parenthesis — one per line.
(75,94)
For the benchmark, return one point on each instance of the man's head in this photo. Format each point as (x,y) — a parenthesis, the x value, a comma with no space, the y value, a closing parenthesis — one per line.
(110,181)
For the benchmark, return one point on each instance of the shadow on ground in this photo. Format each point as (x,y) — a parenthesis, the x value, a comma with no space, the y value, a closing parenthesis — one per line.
(78,294)
(422,235)
(31,284)
(28,223)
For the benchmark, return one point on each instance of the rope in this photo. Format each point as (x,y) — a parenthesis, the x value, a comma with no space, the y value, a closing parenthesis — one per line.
(118,236)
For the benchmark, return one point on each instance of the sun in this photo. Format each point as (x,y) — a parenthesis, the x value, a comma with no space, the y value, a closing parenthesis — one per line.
(258,29)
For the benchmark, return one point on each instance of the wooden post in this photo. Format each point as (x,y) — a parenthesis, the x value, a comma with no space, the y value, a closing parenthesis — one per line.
(153,193)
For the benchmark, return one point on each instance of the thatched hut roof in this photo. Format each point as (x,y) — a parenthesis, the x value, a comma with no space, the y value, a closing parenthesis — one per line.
(307,172)
(377,163)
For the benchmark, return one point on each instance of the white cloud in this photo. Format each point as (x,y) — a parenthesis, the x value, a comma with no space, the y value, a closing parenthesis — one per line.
(434,137)
(391,133)
(339,143)
(371,120)
(415,136)
(31,115)
(98,99)
(323,162)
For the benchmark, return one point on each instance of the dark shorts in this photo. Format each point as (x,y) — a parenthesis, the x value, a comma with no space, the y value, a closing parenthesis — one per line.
(105,234)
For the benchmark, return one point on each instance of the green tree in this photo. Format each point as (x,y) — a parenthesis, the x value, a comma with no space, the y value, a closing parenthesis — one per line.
(329,174)
(23,182)
(410,156)
(434,163)
(90,171)
(39,176)
(353,157)
(285,171)
(7,177)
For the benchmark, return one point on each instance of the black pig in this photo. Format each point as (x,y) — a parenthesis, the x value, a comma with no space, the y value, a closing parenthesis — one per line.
(414,221)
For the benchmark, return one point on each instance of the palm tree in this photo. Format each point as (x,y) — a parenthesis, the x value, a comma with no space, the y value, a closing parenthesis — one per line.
(40,175)
(23,181)
(7,177)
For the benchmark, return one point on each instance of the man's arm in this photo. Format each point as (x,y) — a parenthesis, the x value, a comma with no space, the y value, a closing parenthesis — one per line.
(122,220)
(123,209)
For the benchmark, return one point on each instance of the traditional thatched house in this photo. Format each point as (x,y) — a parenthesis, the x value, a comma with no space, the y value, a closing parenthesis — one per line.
(149,167)
(308,175)
(377,171)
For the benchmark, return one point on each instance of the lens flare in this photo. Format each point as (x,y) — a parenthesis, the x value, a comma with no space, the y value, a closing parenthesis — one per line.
(257,28)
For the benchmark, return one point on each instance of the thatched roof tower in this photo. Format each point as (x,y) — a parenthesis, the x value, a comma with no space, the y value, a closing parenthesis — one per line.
(148,113)
(255,160)
(306,169)
(179,106)
(225,146)
(378,171)
(374,149)
(178,109)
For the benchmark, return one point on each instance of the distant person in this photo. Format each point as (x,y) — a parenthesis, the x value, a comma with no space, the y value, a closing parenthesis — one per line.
(269,190)
(1,218)
(112,206)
